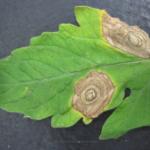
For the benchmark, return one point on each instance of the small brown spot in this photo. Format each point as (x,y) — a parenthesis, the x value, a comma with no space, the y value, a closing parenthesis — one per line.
(92,94)
(130,39)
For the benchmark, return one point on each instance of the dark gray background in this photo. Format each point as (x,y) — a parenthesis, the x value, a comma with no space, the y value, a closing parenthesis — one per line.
(22,19)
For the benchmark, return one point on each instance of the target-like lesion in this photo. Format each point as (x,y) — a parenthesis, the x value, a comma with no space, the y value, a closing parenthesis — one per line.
(130,39)
(92,94)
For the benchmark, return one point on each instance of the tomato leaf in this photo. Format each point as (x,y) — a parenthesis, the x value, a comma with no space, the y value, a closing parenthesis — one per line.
(39,80)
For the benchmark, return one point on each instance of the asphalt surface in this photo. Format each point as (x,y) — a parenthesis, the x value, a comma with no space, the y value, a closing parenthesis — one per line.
(22,19)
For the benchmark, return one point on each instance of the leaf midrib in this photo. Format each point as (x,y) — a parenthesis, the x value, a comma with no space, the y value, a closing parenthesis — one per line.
(73,73)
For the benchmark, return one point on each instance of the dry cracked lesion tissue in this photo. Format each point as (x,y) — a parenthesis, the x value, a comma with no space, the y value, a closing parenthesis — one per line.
(130,39)
(92,94)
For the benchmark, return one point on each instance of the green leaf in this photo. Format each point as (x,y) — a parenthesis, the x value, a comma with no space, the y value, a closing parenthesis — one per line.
(65,120)
(38,81)
(133,113)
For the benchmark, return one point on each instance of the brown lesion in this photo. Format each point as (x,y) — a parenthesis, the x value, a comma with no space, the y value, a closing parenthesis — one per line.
(92,94)
(130,39)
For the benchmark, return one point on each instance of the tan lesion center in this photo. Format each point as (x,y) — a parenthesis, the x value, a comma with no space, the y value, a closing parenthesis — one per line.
(90,95)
